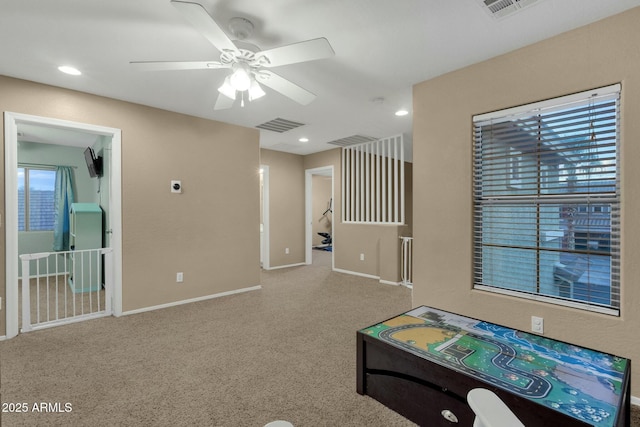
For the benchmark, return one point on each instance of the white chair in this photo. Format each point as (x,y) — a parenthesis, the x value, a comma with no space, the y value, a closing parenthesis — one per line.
(279,423)
(490,410)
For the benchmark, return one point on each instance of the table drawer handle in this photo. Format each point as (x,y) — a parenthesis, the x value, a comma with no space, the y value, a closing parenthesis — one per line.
(449,416)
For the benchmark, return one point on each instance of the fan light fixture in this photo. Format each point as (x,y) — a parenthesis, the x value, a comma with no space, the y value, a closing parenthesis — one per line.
(255,91)
(241,80)
(241,77)
(249,66)
(226,89)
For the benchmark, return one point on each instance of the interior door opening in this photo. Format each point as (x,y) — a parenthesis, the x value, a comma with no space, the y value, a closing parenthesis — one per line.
(264,217)
(319,211)
(41,130)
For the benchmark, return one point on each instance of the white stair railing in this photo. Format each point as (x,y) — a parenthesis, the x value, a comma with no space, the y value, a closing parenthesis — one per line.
(65,287)
(406,258)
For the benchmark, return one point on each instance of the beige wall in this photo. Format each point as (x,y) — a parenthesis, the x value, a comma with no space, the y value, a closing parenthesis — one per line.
(596,55)
(210,232)
(286,207)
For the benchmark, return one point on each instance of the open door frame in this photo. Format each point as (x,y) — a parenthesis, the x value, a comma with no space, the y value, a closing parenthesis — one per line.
(327,171)
(265,245)
(11,121)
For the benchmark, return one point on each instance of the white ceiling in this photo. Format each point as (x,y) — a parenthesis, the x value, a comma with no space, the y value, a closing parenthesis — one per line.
(42,134)
(381,49)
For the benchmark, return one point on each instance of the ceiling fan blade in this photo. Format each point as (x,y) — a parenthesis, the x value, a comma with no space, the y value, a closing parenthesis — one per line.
(177,65)
(197,15)
(309,50)
(285,87)
(223,102)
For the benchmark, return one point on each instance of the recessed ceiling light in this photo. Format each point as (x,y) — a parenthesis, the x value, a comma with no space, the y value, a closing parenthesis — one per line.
(69,70)
(402,113)
(304,139)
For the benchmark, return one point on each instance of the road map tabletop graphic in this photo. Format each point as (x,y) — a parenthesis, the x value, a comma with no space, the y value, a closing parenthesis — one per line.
(585,384)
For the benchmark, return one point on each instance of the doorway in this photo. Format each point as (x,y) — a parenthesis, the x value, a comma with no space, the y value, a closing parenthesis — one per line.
(75,134)
(264,217)
(319,211)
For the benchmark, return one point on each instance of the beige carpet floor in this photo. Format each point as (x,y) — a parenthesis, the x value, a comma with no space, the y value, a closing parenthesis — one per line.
(284,352)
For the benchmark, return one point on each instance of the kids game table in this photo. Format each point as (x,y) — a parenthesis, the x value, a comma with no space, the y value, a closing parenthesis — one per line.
(423,363)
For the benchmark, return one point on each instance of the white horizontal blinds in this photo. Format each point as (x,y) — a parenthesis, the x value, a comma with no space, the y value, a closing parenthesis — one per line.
(546,200)
(373,182)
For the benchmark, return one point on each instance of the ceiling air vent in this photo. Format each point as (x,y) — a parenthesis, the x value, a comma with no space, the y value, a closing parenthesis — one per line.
(279,125)
(501,8)
(352,140)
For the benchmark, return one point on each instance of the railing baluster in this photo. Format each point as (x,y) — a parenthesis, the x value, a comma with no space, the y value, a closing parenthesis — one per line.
(82,281)
(57,289)
(100,261)
(38,292)
(46,263)
(90,276)
(407,261)
(26,294)
(66,281)
(74,280)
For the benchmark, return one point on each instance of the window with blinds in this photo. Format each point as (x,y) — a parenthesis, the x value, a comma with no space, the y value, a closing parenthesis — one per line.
(373,182)
(547,201)
(36,199)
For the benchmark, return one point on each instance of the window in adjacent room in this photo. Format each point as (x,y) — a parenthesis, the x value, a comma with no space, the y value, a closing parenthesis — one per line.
(547,201)
(36,188)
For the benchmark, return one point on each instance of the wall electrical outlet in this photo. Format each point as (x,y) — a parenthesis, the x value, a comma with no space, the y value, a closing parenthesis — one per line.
(179,277)
(286,251)
(361,257)
(176,186)
(537,324)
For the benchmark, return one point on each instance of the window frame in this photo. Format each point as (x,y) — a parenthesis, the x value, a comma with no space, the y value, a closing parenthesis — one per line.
(27,198)
(594,202)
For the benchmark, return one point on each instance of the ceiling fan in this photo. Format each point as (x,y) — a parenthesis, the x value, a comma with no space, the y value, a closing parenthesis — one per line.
(250,67)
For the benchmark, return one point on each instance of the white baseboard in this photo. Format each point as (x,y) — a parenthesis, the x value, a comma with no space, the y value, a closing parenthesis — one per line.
(277,267)
(188,301)
(635,400)
(355,273)
(368,276)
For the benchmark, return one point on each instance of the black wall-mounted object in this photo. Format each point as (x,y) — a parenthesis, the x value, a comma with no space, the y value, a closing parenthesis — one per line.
(94,163)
